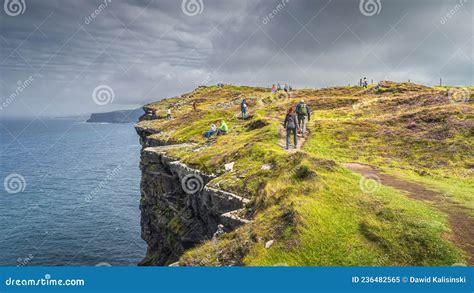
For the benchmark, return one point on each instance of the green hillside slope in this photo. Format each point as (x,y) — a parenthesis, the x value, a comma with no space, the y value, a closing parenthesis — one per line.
(308,207)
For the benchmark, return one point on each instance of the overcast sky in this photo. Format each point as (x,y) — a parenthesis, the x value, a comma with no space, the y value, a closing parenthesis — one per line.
(55,55)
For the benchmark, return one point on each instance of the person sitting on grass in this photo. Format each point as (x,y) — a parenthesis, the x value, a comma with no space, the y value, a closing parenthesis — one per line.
(211,131)
(223,129)
(291,125)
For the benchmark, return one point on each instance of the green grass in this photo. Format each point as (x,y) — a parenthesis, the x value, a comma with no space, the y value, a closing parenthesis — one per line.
(307,202)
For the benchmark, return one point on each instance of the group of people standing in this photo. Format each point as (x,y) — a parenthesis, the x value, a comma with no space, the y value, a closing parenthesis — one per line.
(275,88)
(363,82)
(295,121)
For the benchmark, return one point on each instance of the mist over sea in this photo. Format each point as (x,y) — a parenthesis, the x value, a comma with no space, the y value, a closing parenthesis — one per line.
(70,193)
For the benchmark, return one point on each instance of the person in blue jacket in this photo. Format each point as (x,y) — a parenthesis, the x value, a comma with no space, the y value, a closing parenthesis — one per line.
(244,108)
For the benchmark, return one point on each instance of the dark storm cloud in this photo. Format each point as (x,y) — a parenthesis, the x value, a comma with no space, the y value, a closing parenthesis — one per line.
(146,50)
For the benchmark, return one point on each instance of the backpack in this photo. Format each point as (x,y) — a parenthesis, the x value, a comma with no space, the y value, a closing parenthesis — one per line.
(302,110)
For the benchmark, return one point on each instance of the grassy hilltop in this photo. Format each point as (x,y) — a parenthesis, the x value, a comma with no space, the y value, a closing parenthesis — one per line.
(310,203)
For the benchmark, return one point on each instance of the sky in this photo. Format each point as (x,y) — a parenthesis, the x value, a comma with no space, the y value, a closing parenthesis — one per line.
(65,58)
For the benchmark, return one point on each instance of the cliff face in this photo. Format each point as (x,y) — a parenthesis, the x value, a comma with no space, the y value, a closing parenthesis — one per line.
(123,116)
(178,210)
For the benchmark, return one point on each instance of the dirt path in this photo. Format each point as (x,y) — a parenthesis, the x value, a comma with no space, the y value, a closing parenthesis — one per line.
(460,222)
(282,141)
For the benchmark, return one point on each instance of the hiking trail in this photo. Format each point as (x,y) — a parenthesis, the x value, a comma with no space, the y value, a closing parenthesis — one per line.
(282,140)
(459,221)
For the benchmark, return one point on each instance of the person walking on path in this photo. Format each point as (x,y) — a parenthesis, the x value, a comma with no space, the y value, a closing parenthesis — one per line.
(274,88)
(303,112)
(291,125)
(244,108)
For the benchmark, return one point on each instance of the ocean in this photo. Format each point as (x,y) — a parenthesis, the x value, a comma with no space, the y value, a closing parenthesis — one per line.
(70,194)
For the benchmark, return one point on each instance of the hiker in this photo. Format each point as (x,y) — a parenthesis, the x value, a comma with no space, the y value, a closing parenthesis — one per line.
(303,111)
(168,114)
(360,82)
(223,129)
(291,125)
(274,88)
(278,87)
(211,131)
(244,108)
(365,82)
(286,88)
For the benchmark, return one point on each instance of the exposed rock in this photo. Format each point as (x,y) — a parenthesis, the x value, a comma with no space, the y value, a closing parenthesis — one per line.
(269,243)
(229,167)
(267,167)
(178,210)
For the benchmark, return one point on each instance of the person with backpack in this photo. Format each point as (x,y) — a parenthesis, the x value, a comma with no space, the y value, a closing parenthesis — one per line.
(244,108)
(302,110)
(291,125)
(274,88)
(365,82)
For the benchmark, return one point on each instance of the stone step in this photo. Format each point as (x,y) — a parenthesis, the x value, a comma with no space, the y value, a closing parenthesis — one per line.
(221,202)
(232,220)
